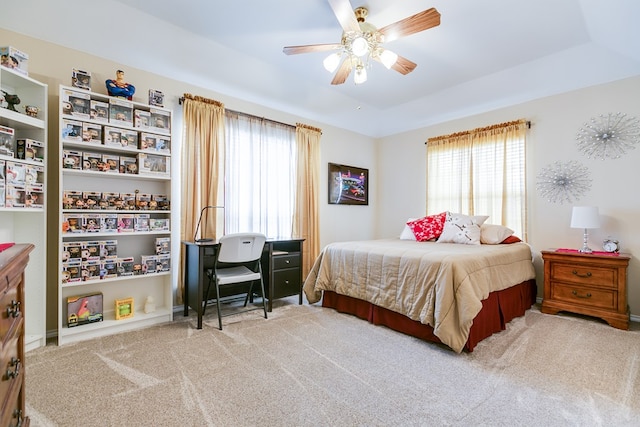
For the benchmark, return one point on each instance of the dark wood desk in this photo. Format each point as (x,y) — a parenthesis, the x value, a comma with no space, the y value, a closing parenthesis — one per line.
(281,271)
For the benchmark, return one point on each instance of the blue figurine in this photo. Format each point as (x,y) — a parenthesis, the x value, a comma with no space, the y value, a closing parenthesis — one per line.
(119,87)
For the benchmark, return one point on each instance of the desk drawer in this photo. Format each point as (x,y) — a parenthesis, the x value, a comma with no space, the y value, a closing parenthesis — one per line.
(585,296)
(286,283)
(281,262)
(584,274)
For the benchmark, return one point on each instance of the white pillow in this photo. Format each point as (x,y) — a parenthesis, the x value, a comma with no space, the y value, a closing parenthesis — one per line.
(407,232)
(460,228)
(492,234)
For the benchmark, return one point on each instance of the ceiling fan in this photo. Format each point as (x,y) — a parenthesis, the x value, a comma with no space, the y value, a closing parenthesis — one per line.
(361,41)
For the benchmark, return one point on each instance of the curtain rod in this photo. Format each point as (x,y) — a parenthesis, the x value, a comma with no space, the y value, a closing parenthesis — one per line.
(181,100)
(466,132)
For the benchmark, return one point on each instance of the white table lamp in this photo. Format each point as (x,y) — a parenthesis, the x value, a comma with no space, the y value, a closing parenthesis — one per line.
(585,217)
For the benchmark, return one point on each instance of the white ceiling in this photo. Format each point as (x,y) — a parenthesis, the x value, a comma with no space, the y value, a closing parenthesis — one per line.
(484,55)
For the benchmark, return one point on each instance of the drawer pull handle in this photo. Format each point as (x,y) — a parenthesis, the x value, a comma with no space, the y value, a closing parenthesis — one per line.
(17,414)
(582,275)
(286,282)
(588,295)
(13,363)
(287,262)
(14,309)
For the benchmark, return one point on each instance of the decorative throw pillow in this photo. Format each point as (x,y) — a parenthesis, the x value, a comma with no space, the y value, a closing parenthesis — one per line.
(429,227)
(492,234)
(460,228)
(407,233)
(511,239)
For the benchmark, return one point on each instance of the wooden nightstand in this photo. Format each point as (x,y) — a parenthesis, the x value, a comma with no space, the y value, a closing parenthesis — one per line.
(594,285)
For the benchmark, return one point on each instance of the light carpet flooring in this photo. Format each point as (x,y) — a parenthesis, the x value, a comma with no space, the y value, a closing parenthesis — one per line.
(311,366)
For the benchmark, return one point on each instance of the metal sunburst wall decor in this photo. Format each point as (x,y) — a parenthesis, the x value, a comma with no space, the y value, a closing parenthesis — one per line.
(609,136)
(564,182)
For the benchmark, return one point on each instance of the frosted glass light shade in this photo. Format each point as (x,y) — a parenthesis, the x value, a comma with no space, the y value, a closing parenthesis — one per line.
(388,58)
(331,62)
(359,46)
(360,75)
(585,217)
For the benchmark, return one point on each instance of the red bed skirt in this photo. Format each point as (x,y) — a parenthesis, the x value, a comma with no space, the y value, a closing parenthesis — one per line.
(497,310)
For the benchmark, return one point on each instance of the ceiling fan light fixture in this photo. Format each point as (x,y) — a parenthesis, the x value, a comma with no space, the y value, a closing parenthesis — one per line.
(331,62)
(360,76)
(360,46)
(388,58)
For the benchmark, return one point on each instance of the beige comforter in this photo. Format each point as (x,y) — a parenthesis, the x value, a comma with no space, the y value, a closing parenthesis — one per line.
(439,284)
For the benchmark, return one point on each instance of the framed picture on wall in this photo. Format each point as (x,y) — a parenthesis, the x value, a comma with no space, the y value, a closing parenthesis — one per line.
(348,185)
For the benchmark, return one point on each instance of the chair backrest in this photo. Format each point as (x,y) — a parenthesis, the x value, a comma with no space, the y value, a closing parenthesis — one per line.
(241,247)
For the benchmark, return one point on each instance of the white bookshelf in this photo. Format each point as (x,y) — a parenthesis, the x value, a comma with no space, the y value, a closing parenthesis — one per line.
(130,244)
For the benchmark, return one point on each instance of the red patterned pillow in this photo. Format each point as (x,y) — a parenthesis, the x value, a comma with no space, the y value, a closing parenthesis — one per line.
(511,239)
(428,228)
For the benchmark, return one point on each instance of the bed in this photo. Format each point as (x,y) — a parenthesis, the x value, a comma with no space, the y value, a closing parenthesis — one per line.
(455,294)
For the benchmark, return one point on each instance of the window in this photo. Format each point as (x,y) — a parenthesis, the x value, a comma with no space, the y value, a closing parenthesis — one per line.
(480,172)
(260,175)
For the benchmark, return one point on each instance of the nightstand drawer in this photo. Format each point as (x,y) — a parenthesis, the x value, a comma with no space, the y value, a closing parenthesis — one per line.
(580,295)
(583,274)
(281,262)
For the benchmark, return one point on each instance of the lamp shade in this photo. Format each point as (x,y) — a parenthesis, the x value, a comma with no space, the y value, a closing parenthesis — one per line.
(585,217)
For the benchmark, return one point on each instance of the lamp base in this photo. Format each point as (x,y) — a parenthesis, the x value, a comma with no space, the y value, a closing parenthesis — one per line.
(585,249)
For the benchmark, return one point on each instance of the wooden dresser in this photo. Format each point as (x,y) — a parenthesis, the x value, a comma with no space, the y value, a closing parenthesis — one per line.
(12,264)
(593,285)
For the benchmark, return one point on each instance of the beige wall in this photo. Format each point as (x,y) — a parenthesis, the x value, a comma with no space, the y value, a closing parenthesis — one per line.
(555,122)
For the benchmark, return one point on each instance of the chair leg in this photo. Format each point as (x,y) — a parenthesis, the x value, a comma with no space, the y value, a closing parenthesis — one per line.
(218,304)
(250,292)
(264,300)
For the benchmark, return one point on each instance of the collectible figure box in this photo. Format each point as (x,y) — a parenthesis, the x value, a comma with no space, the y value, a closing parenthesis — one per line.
(110,268)
(91,270)
(142,119)
(84,309)
(159,224)
(129,139)
(161,202)
(34,197)
(72,159)
(109,223)
(99,111)
(163,144)
(148,264)
(14,196)
(163,263)
(2,194)
(72,223)
(34,176)
(90,250)
(154,164)
(15,173)
(156,98)
(29,149)
(128,165)
(147,142)
(91,223)
(160,121)
(142,222)
(71,130)
(163,245)
(2,168)
(7,141)
(142,201)
(91,199)
(91,161)
(92,133)
(72,200)
(72,271)
(120,112)
(76,104)
(10,57)
(126,223)
(111,162)
(81,79)
(128,201)
(71,251)
(108,249)
(113,137)
(125,266)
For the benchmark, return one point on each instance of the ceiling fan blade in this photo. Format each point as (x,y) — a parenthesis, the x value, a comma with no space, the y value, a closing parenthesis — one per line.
(293,50)
(402,65)
(342,73)
(344,12)
(413,24)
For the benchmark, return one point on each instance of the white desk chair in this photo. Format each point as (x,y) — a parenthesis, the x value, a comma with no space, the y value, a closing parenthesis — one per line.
(238,261)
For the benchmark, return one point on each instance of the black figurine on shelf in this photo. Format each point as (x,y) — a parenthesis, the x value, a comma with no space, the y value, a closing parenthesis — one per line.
(119,87)
(11,100)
